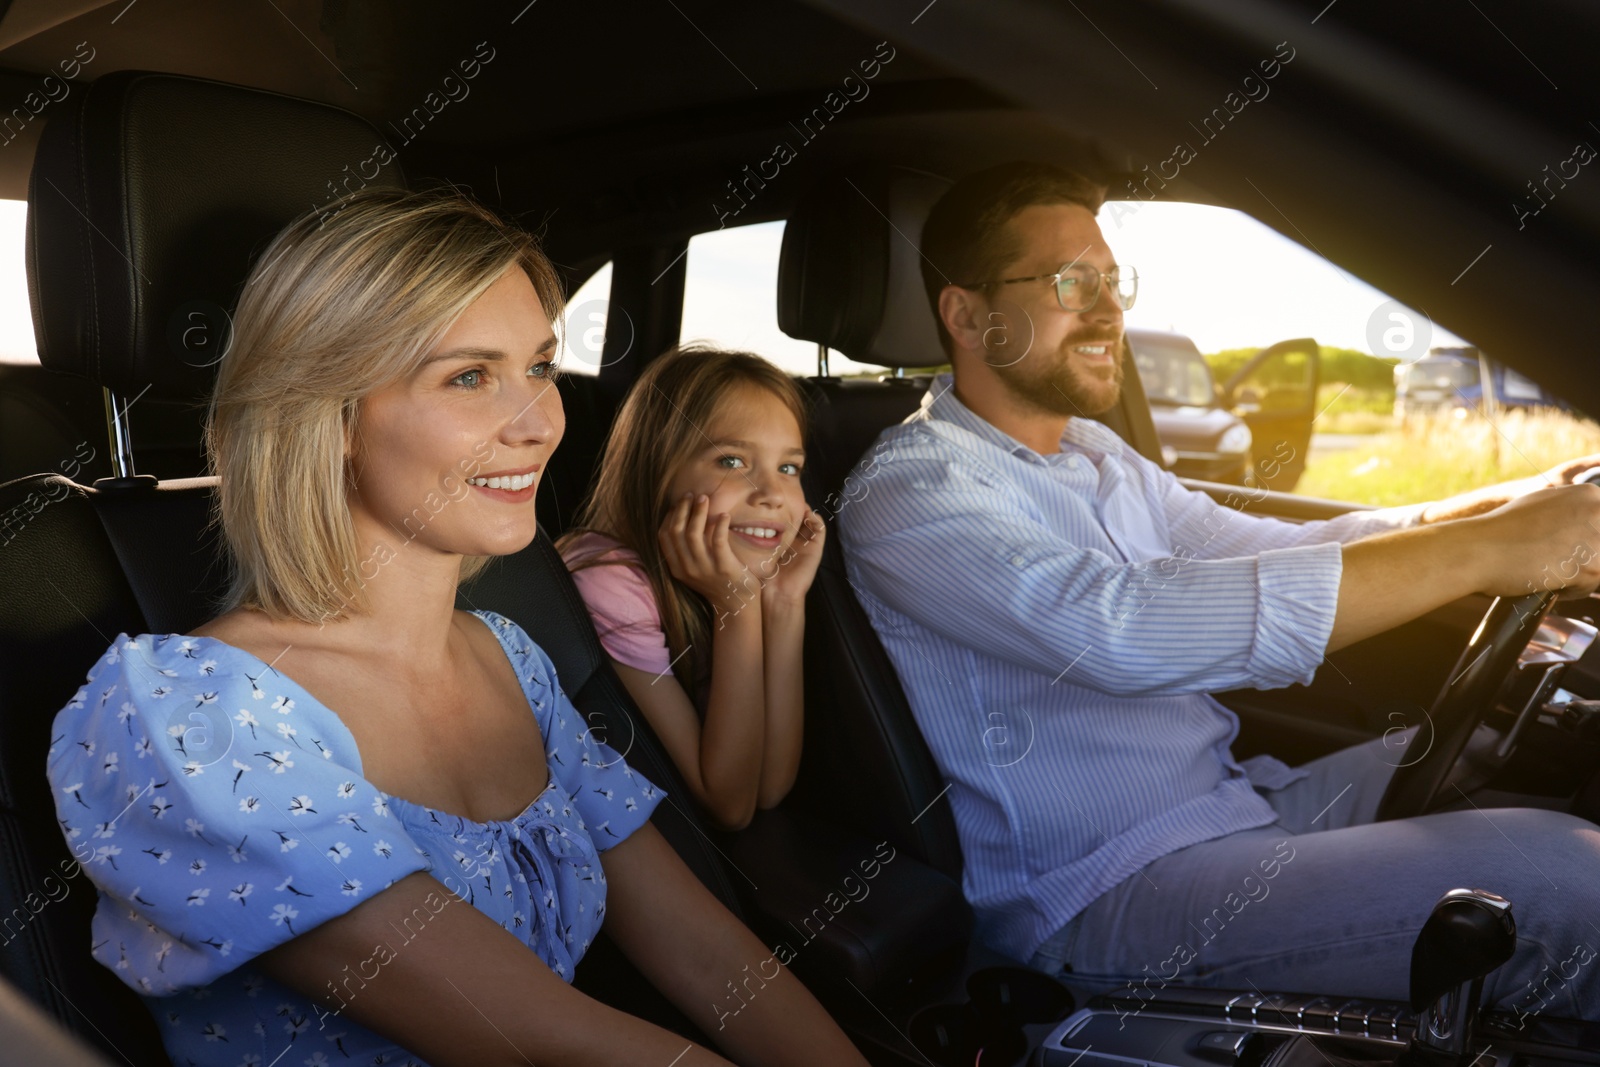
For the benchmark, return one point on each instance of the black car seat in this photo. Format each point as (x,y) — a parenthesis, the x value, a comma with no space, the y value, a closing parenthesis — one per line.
(56,424)
(848,279)
(49,423)
(150,195)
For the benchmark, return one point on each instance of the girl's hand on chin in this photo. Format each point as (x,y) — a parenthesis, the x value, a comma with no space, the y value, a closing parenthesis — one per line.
(698,554)
(797,564)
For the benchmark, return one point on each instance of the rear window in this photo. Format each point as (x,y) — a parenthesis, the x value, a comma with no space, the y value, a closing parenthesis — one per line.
(730,299)
(16,321)
(584,333)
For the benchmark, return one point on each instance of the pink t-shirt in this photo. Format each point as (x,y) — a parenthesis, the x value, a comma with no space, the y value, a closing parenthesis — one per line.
(620,601)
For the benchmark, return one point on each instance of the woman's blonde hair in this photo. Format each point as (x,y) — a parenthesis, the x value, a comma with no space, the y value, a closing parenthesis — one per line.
(343,302)
(660,427)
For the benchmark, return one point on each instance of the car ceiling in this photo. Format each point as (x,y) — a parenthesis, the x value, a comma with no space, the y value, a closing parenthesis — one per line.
(1396,142)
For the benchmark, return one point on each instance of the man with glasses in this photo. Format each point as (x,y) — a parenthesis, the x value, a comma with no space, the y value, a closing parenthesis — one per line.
(1058,608)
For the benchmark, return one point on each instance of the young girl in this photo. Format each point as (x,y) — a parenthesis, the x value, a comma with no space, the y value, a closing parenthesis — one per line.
(694,553)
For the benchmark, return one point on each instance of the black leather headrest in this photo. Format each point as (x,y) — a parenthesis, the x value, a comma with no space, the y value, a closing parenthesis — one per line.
(850,274)
(151,195)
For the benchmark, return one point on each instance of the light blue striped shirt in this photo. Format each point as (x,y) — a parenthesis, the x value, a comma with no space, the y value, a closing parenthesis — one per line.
(1057,622)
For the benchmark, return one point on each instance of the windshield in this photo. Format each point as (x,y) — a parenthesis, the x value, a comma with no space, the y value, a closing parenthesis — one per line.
(1173,374)
(1439,374)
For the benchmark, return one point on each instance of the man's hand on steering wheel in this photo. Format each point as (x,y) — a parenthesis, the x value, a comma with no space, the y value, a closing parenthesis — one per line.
(1569,472)
(1541,544)
(1545,540)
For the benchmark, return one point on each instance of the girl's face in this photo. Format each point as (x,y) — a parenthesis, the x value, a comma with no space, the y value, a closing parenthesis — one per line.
(484,406)
(748,463)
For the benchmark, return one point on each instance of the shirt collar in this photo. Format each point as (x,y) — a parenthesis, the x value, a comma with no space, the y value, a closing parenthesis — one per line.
(1081,434)
(1091,435)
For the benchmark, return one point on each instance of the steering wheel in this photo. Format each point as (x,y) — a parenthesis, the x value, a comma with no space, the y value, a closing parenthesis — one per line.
(1469,689)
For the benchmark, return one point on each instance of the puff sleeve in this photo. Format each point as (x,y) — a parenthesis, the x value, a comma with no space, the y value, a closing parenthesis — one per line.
(225,808)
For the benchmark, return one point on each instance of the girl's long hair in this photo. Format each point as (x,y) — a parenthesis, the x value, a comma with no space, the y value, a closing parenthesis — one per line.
(661,425)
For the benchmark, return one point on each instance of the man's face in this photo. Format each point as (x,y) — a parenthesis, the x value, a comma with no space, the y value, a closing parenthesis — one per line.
(1066,362)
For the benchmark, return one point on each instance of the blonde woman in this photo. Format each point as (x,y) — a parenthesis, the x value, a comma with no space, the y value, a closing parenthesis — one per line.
(343,821)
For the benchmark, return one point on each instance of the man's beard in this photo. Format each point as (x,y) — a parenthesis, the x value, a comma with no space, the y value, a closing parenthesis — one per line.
(1053,385)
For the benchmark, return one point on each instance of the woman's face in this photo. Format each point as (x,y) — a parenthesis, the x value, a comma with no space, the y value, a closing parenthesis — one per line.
(483,409)
(749,465)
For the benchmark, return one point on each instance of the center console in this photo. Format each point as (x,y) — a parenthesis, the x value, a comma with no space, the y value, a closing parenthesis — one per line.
(1012,1016)
(888,947)
(1469,934)
(1215,1028)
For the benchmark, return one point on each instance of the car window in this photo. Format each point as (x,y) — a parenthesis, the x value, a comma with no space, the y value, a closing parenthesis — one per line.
(1405,410)
(1516,387)
(730,299)
(1173,373)
(1438,373)
(16,321)
(584,326)
(585,321)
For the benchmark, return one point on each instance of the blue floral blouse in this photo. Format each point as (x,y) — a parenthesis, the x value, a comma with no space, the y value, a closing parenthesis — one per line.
(227,814)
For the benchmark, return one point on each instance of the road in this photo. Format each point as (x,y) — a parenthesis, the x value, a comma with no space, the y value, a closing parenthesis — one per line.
(1325,444)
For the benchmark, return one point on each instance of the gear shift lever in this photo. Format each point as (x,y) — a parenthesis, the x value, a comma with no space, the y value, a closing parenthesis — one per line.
(1469,934)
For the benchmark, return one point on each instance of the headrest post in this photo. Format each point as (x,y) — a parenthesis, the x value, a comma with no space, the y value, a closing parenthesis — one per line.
(122,479)
(121,437)
(822,361)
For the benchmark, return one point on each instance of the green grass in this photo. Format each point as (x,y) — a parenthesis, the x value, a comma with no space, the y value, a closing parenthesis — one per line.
(1344,408)
(1338,365)
(1438,456)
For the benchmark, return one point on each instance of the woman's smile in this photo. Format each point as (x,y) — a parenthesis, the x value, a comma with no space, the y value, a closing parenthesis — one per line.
(512,486)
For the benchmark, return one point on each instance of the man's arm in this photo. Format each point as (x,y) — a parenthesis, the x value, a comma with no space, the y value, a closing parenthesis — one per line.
(1392,578)
(947,544)
(1480,501)
(949,549)
(1547,539)
(1228,528)
(1223,529)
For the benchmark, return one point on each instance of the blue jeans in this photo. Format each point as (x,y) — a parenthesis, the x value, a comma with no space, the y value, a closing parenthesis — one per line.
(1326,901)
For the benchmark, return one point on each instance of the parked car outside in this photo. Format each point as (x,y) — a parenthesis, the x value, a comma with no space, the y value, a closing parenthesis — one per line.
(1199,437)
(1450,378)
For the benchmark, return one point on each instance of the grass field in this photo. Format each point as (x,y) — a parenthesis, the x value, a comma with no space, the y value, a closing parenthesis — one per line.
(1432,457)
(1343,408)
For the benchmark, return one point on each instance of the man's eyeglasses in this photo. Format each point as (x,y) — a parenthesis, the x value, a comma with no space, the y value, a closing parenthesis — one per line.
(1078,285)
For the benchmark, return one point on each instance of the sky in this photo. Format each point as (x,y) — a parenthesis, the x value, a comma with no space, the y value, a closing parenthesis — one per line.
(1229,281)
(1212,273)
